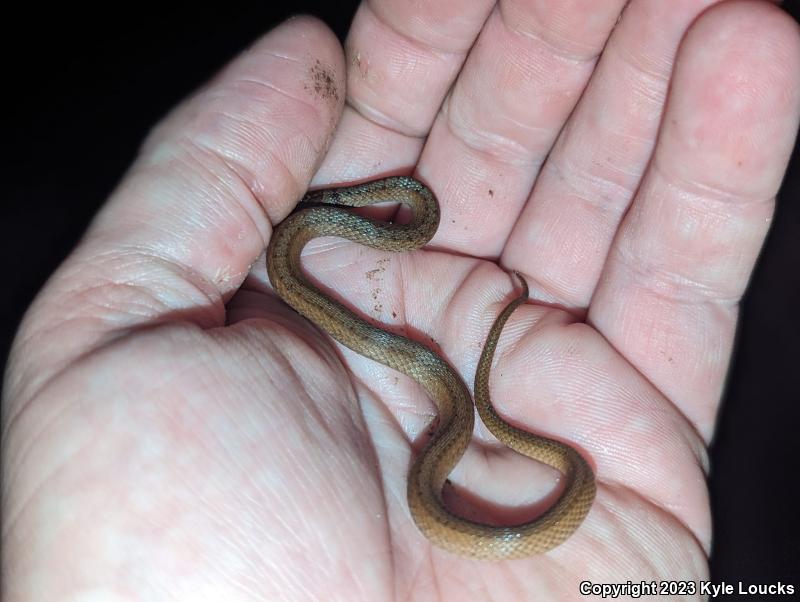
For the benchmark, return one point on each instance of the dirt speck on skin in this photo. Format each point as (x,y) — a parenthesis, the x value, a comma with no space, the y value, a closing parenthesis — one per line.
(323,83)
(376,273)
(360,63)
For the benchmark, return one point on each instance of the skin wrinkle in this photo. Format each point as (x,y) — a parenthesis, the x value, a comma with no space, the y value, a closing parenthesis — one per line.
(223,516)
(10,416)
(381,118)
(585,185)
(631,256)
(664,512)
(671,286)
(384,122)
(629,529)
(311,107)
(193,149)
(675,403)
(675,436)
(278,55)
(691,427)
(388,493)
(242,127)
(104,342)
(199,506)
(490,147)
(547,294)
(538,129)
(487,141)
(707,192)
(147,258)
(238,87)
(250,533)
(649,94)
(25,503)
(415,41)
(448,303)
(423,409)
(536,72)
(558,50)
(647,70)
(309,407)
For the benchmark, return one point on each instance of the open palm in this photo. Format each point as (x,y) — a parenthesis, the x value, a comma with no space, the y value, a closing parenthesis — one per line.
(172,430)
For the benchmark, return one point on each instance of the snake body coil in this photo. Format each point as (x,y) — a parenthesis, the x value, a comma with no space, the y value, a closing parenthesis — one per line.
(323,213)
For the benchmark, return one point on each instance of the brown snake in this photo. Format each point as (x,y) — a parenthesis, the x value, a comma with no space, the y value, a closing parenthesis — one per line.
(324,213)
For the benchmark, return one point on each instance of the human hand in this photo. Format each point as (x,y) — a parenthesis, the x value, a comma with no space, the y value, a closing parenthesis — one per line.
(171,429)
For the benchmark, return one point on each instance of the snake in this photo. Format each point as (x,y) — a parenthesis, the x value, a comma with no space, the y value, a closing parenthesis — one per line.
(330,212)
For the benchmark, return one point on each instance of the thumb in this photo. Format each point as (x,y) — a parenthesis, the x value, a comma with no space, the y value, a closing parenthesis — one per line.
(183,228)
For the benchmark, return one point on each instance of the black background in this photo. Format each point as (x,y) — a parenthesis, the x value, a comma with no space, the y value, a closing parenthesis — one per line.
(85,88)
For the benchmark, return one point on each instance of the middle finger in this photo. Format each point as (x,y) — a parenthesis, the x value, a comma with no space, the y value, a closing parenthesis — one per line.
(521,80)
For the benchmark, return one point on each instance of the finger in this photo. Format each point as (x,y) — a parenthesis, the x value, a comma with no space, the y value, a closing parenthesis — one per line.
(182,230)
(669,295)
(402,58)
(562,237)
(519,84)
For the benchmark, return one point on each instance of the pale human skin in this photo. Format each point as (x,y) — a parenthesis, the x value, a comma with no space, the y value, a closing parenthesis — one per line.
(173,432)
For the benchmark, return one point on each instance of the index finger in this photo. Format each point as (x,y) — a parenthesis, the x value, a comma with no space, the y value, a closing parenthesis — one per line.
(402,59)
